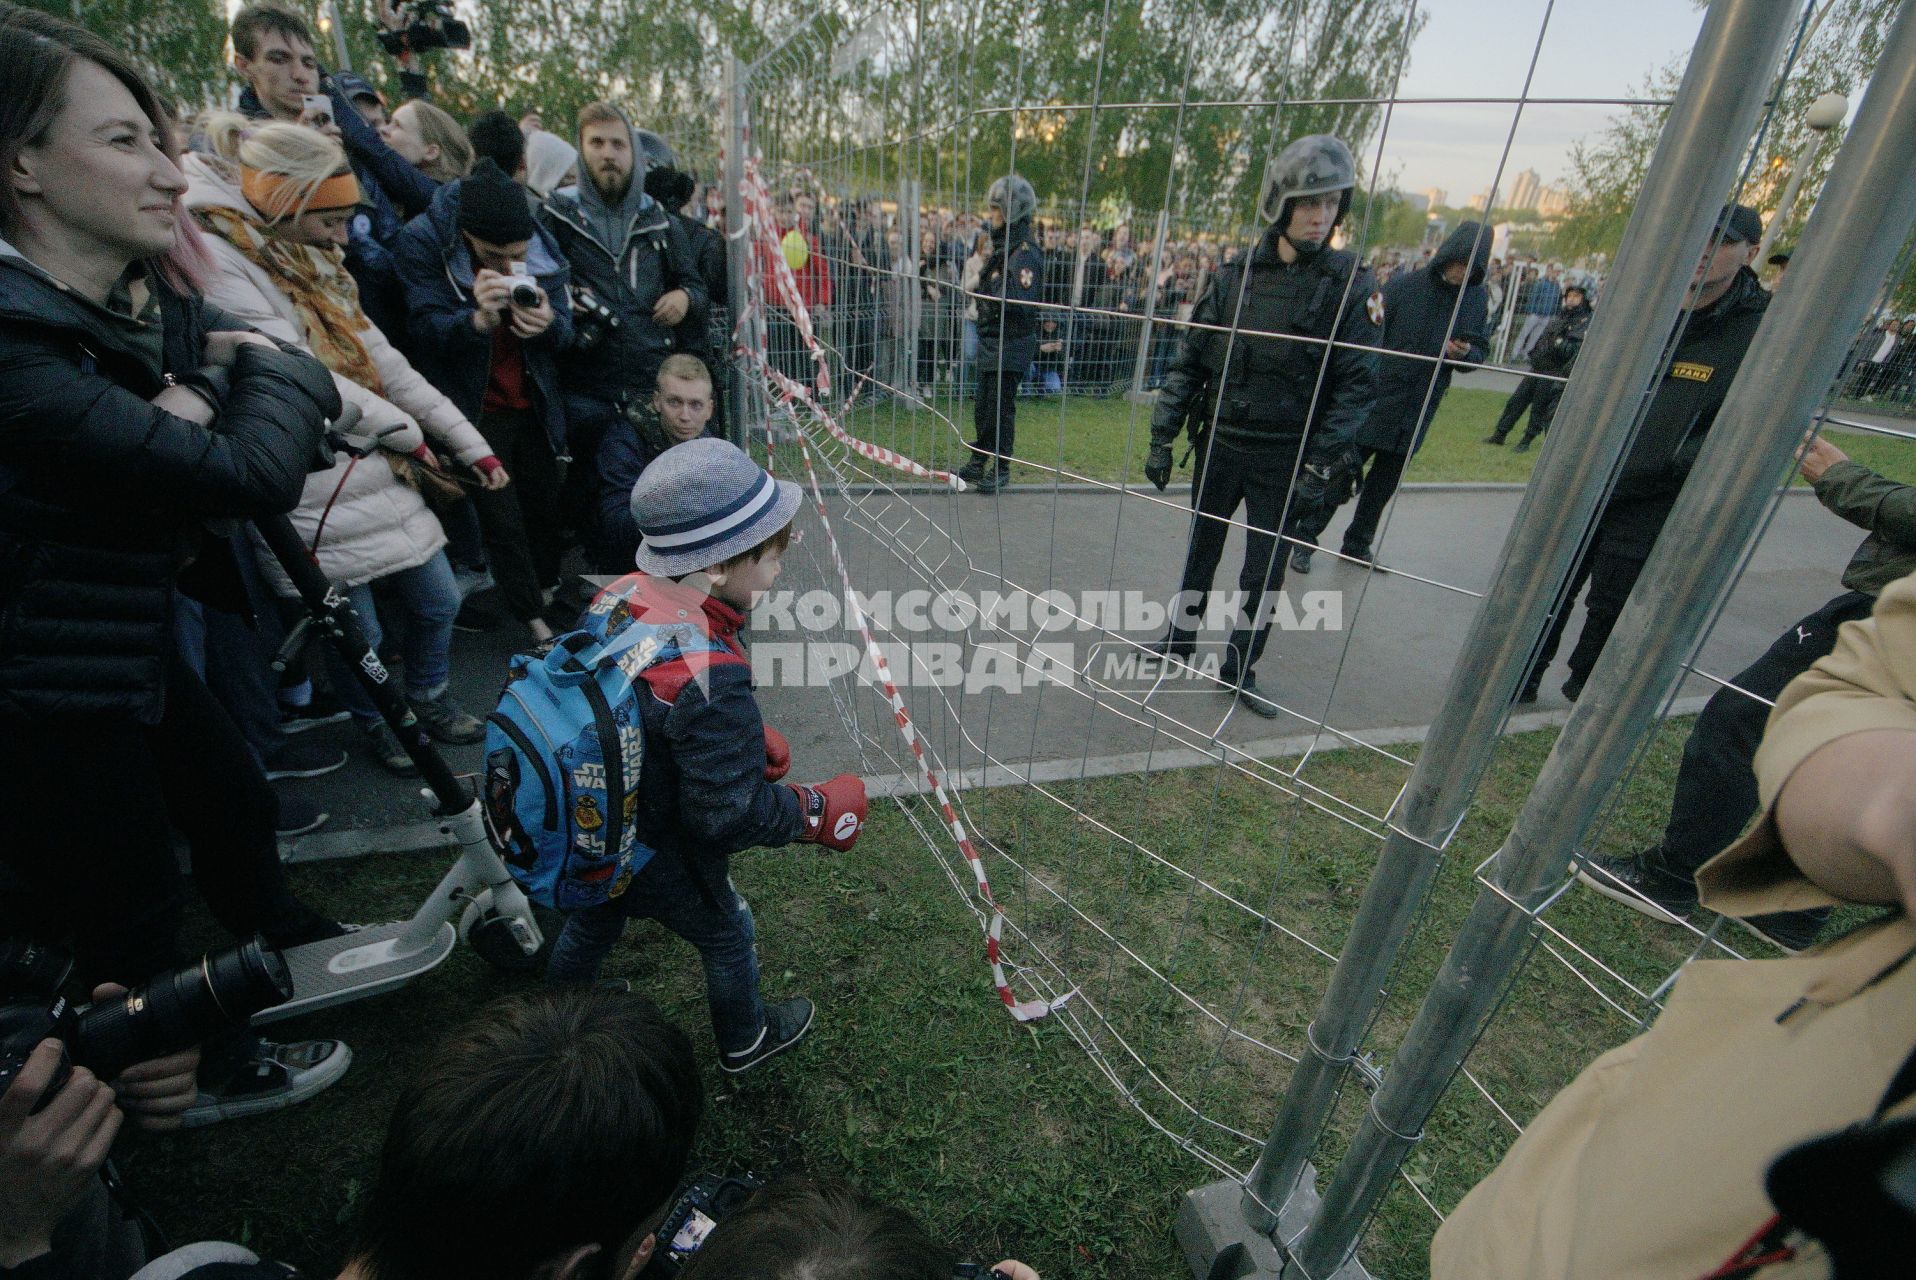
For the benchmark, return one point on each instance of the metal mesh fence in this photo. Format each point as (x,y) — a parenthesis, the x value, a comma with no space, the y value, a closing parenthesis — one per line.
(1165,876)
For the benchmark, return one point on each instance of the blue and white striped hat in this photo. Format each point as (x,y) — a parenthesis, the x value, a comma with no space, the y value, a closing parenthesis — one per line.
(701,503)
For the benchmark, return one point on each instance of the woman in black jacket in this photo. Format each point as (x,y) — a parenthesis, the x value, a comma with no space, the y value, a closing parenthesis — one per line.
(131,415)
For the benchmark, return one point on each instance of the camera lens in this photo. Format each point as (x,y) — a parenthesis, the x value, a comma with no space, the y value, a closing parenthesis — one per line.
(524,295)
(178,1009)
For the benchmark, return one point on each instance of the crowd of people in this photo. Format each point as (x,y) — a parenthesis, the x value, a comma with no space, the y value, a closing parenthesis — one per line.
(449,356)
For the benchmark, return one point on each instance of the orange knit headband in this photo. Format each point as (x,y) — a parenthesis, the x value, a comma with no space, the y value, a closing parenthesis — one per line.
(275,195)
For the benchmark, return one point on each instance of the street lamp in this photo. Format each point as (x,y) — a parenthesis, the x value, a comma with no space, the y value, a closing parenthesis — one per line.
(1824,114)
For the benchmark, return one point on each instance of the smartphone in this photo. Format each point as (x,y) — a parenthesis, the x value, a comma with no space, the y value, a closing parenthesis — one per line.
(317,105)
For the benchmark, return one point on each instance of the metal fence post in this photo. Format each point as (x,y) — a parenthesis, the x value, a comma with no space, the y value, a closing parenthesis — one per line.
(747,322)
(1695,163)
(1851,243)
(1142,366)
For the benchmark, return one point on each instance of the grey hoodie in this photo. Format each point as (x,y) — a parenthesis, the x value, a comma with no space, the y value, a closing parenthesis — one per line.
(610,223)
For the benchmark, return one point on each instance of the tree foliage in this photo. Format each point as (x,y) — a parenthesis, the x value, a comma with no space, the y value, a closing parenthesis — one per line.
(1607,171)
(177,44)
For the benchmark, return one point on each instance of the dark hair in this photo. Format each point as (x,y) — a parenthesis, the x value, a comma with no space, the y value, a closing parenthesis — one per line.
(555,1119)
(496,135)
(261,17)
(818,1230)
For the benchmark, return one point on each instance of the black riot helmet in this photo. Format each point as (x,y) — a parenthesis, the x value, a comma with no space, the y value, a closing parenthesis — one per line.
(1315,165)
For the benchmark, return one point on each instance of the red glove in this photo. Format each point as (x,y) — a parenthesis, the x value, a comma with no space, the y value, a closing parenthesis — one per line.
(834,811)
(778,755)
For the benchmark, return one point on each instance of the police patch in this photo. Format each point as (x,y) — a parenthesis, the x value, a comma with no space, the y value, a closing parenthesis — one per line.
(1025,277)
(1374,308)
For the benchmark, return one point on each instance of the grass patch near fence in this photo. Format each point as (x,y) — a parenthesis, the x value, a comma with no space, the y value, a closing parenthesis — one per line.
(1105,438)
(915,1084)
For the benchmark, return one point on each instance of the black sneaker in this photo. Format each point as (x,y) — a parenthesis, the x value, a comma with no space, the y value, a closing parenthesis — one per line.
(299,759)
(1523,445)
(785,1025)
(1172,646)
(1300,559)
(994,480)
(1527,694)
(1492,438)
(972,472)
(324,709)
(1789,931)
(297,817)
(275,1076)
(1642,885)
(1355,553)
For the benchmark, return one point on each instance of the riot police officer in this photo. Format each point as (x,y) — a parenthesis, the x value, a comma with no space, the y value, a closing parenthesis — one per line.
(1261,391)
(1008,287)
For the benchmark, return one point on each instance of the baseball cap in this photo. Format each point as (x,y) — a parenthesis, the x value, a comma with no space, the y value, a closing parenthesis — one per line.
(1739,223)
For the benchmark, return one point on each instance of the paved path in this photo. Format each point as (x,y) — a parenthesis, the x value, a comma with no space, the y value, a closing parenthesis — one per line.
(1379,677)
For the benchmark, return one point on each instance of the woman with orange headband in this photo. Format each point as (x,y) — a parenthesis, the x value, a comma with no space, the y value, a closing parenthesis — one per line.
(277,199)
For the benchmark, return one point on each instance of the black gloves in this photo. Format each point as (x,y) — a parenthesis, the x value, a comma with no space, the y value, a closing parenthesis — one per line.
(1157,465)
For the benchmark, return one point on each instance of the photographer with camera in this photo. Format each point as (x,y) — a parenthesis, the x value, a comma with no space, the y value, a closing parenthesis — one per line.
(57,1117)
(797,1228)
(132,413)
(486,290)
(636,292)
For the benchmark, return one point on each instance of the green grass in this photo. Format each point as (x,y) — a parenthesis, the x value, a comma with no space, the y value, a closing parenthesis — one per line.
(1105,438)
(915,1084)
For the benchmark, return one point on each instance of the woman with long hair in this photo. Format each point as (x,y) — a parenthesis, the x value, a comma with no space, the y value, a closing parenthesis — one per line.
(430,140)
(276,200)
(132,413)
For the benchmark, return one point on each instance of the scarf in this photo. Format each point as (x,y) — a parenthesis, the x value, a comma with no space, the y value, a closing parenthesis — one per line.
(316,283)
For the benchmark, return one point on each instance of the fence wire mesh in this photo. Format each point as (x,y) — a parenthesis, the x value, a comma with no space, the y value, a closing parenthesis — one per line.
(1170,877)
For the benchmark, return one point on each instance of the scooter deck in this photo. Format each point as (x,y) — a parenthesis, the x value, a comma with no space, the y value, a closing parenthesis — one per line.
(363,963)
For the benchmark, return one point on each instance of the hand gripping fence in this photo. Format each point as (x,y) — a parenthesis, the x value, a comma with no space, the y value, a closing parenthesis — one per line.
(793,392)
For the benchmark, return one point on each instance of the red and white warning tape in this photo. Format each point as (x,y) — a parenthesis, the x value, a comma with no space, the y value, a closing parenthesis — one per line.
(757,211)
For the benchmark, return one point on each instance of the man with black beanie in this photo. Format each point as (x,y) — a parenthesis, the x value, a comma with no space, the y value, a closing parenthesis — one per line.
(488,309)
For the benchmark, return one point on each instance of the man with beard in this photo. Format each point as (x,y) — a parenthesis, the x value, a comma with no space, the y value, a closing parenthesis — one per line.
(1276,368)
(630,257)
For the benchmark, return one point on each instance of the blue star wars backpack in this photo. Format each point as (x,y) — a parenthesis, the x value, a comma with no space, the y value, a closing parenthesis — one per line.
(565,747)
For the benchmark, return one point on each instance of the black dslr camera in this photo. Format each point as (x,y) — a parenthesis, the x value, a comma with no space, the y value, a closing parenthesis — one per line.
(431,25)
(174,1011)
(592,319)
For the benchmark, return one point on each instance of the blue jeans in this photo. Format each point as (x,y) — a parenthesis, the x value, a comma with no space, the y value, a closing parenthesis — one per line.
(430,599)
(725,936)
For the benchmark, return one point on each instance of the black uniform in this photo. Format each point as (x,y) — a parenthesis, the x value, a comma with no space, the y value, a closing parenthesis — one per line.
(1012,279)
(1681,414)
(1554,353)
(1254,404)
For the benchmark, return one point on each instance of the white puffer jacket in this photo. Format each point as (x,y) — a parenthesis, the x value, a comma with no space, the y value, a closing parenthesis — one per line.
(377,526)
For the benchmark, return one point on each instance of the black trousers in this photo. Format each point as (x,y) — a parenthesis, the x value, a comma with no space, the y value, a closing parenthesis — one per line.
(521,521)
(1225,478)
(1384,471)
(1609,573)
(1540,396)
(994,410)
(1716,785)
(85,810)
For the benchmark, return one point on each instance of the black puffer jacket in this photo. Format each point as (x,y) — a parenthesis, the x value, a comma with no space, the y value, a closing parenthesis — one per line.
(103,496)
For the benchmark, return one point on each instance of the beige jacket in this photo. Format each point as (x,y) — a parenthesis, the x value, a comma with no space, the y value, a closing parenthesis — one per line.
(1651,1162)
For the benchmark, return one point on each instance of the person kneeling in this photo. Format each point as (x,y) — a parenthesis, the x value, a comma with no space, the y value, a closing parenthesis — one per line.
(680,410)
(715,529)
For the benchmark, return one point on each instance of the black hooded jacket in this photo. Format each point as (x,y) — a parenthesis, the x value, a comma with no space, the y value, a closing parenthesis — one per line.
(1011,280)
(103,495)
(1418,310)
